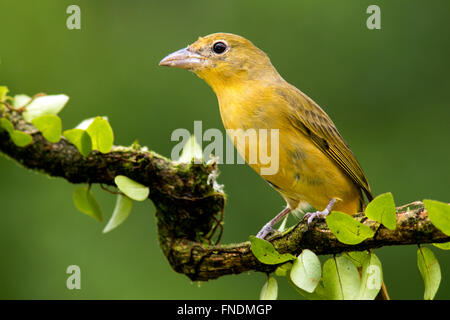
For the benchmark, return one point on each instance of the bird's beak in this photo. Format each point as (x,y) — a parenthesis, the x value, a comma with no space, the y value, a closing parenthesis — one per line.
(184,59)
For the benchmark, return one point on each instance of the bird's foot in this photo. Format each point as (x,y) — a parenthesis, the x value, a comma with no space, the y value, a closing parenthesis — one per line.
(265,231)
(310,216)
(268,226)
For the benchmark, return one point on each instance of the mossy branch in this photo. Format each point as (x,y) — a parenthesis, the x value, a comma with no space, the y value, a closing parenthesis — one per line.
(190,211)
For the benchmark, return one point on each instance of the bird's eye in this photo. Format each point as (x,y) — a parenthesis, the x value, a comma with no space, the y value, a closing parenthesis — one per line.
(219,47)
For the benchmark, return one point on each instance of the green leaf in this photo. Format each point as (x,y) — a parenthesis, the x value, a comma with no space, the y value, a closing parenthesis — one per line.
(439,214)
(318,294)
(340,279)
(7,125)
(101,134)
(283,270)
(269,290)
(85,202)
(265,252)
(443,246)
(44,105)
(191,150)
(121,212)
(80,139)
(282,227)
(50,126)
(302,209)
(357,257)
(20,100)
(430,270)
(346,229)
(306,271)
(382,209)
(83,125)
(371,278)
(131,188)
(20,139)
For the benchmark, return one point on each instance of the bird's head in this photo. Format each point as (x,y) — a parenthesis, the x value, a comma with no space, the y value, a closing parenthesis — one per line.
(222,59)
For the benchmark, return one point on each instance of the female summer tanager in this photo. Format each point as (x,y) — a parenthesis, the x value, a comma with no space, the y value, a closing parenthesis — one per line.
(316,166)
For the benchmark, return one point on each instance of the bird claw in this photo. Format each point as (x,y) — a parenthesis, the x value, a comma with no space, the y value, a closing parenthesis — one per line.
(265,231)
(268,226)
(311,215)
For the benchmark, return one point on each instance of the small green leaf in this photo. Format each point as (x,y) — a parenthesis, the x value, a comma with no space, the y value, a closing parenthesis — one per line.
(83,125)
(302,209)
(131,188)
(283,270)
(306,271)
(50,126)
(282,227)
(382,209)
(20,100)
(85,202)
(21,139)
(318,294)
(346,229)
(44,105)
(121,212)
(371,278)
(191,150)
(269,290)
(443,246)
(439,214)
(265,252)
(101,134)
(80,139)
(357,257)
(340,279)
(430,270)
(7,125)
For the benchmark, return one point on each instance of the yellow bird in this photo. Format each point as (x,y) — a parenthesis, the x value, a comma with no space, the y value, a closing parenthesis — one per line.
(316,166)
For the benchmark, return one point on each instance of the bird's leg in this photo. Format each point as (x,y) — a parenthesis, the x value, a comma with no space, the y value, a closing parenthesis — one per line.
(311,215)
(268,227)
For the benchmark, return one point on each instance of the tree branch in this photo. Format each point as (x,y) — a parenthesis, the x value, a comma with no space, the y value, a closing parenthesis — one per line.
(190,211)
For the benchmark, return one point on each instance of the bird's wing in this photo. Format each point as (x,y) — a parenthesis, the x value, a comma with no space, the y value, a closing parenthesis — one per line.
(308,117)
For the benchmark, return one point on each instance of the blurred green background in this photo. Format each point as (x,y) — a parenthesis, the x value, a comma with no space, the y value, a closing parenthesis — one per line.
(387,91)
